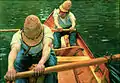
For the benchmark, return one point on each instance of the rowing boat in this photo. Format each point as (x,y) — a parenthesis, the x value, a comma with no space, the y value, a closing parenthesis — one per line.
(76,64)
(91,74)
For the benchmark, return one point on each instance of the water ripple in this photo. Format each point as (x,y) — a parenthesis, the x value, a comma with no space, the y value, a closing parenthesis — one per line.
(2,49)
(90,36)
(105,40)
(2,54)
(85,31)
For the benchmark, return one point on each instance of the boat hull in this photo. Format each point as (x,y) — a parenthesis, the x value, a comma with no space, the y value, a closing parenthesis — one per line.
(84,74)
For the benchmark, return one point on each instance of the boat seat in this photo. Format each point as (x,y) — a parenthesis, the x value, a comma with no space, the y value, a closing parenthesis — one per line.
(69,51)
(71,47)
(68,59)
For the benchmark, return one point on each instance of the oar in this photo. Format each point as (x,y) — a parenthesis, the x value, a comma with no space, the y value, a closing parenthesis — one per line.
(73,65)
(15,30)
(64,30)
(9,30)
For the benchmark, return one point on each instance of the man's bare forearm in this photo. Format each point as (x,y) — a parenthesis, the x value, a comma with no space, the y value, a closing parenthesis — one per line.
(12,57)
(73,22)
(45,54)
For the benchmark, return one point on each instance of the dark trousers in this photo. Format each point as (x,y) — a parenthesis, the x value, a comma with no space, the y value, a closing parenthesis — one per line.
(23,62)
(58,35)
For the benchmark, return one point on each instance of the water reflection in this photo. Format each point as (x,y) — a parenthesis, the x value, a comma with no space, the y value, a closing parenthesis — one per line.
(104,40)
(2,55)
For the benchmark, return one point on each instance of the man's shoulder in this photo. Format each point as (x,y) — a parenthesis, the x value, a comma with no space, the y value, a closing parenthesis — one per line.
(70,13)
(18,33)
(46,28)
(56,10)
(16,38)
(47,32)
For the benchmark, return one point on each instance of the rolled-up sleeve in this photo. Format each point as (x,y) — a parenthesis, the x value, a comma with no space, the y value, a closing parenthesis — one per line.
(55,13)
(48,35)
(72,16)
(16,39)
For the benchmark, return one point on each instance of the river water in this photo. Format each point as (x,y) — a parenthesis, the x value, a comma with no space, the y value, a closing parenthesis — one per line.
(97,22)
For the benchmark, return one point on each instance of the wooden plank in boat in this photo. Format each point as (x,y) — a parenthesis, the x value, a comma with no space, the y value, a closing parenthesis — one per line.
(66,77)
(69,51)
(66,59)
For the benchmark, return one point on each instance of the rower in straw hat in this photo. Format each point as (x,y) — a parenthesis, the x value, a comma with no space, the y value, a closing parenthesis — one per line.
(31,45)
(64,19)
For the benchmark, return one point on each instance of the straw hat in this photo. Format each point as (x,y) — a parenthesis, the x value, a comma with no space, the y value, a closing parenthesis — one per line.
(65,6)
(33,30)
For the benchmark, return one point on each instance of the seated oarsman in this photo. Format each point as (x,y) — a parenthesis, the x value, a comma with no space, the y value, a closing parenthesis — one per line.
(64,19)
(31,45)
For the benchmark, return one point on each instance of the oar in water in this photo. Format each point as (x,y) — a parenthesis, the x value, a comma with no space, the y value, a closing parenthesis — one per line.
(64,30)
(69,66)
(9,30)
(15,30)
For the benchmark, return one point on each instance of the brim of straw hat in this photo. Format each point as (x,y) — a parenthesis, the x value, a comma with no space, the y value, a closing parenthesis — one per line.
(30,42)
(62,9)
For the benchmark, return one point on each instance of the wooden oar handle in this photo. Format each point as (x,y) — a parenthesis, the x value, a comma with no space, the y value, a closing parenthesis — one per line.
(64,30)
